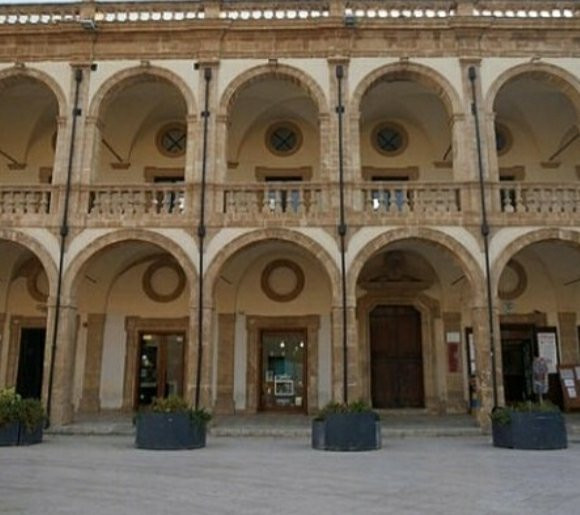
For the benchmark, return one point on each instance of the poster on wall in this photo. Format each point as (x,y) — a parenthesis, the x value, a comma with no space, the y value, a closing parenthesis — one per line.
(547,349)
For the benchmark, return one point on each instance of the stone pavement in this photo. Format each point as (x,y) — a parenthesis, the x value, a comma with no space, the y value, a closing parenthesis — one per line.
(97,475)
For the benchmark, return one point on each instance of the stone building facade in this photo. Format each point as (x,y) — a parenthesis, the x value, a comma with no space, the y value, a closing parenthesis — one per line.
(258,186)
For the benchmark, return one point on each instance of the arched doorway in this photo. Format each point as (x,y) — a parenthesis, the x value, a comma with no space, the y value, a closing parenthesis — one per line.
(414,309)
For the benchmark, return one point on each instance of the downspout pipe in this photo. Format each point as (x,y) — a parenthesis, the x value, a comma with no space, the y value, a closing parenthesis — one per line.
(201,233)
(342,230)
(64,229)
(484,233)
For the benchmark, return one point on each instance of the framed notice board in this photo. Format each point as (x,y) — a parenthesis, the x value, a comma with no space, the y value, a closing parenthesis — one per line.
(570,383)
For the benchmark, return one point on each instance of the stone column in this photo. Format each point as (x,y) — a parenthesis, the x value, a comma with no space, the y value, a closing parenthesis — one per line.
(225,364)
(354,374)
(465,153)
(64,364)
(213,160)
(481,338)
(567,323)
(205,397)
(90,400)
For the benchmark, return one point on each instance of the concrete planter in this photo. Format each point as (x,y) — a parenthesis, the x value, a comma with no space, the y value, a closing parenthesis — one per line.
(531,430)
(347,432)
(166,431)
(30,437)
(9,434)
(16,433)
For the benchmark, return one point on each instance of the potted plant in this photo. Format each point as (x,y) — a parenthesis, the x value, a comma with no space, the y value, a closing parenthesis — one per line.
(529,425)
(346,427)
(169,423)
(21,420)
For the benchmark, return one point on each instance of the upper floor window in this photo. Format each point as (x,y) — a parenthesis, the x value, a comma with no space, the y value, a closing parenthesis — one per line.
(283,139)
(171,139)
(389,139)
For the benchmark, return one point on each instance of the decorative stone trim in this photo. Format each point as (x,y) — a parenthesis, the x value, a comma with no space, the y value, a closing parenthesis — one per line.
(520,285)
(304,172)
(270,289)
(419,73)
(410,172)
(255,324)
(147,282)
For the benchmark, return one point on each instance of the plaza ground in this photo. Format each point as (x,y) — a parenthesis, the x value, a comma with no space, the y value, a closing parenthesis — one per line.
(79,474)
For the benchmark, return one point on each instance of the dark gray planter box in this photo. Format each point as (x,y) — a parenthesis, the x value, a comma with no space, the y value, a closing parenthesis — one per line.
(531,430)
(169,431)
(16,433)
(9,434)
(347,432)
(27,437)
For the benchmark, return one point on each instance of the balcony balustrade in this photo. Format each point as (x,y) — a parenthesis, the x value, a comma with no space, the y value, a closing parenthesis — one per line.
(404,198)
(540,198)
(258,201)
(25,200)
(133,201)
(294,203)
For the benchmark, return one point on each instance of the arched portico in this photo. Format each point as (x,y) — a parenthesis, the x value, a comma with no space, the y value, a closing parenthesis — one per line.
(27,288)
(425,287)
(537,281)
(130,290)
(273,294)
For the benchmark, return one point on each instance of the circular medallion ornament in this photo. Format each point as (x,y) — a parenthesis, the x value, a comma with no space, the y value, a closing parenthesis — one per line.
(513,281)
(37,284)
(283,139)
(282,280)
(389,139)
(163,281)
(171,139)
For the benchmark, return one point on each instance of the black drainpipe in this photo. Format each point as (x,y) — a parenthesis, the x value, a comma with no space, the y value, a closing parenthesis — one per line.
(342,228)
(484,234)
(201,232)
(63,235)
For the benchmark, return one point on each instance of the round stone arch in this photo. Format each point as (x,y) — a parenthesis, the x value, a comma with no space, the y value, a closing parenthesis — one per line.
(13,74)
(41,253)
(130,76)
(467,261)
(526,240)
(305,243)
(563,80)
(419,73)
(72,273)
(262,72)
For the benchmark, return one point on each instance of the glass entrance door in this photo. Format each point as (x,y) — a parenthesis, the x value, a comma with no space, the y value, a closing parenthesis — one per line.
(283,380)
(160,366)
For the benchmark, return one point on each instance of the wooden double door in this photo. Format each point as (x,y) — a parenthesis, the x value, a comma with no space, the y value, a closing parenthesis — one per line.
(396,357)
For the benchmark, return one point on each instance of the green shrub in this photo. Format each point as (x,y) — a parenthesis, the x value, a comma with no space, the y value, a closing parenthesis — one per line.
(502,414)
(175,404)
(340,407)
(9,406)
(171,404)
(32,413)
(13,408)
